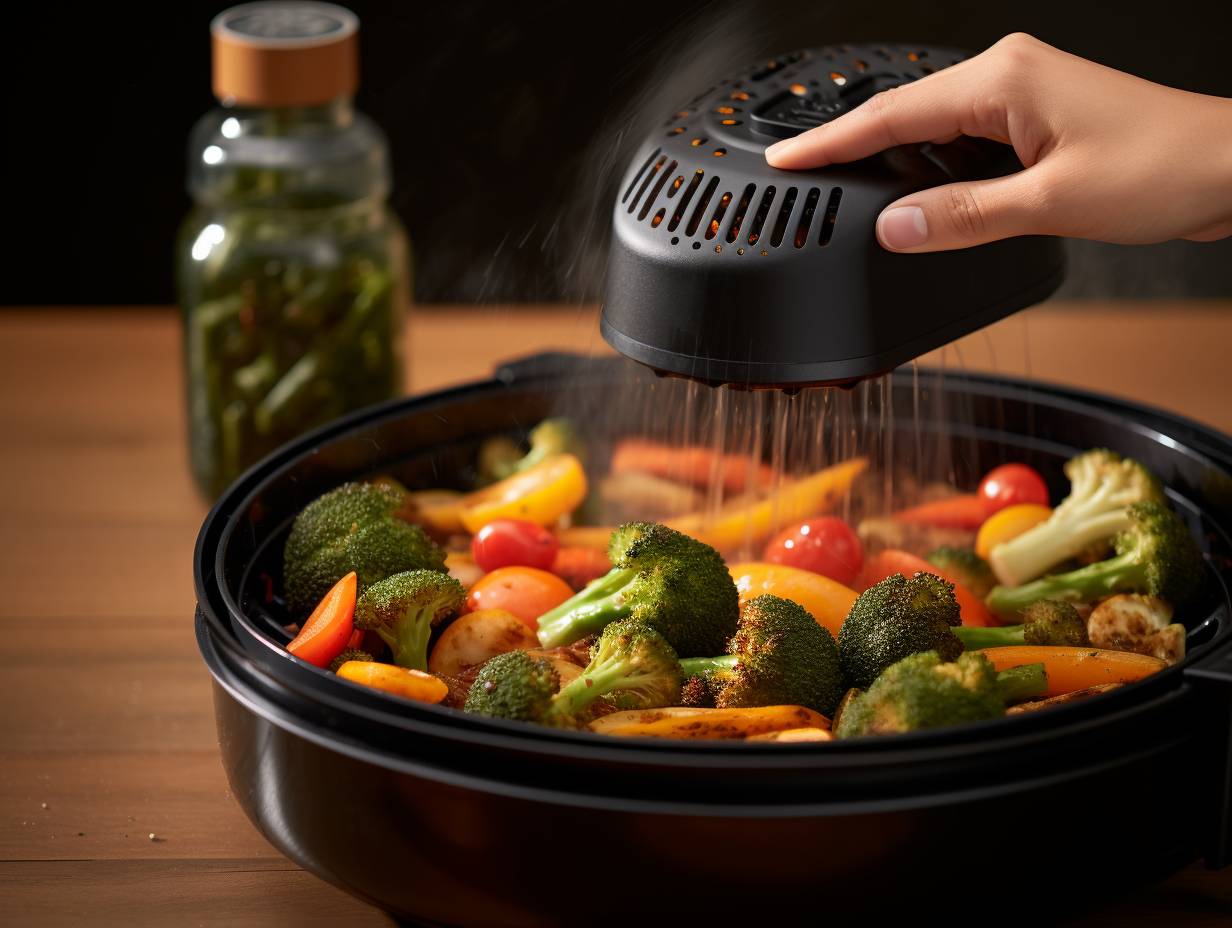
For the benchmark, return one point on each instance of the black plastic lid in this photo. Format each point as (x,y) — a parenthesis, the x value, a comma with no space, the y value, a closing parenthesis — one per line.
(727,270)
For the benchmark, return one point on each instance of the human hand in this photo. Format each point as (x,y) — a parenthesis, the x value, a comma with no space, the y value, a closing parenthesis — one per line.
(1106,155)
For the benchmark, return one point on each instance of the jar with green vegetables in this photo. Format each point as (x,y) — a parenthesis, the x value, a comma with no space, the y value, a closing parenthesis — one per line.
(293,273)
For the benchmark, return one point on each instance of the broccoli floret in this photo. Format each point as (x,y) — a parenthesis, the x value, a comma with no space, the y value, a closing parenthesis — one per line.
(672,582)
(696,692)
(404,608)
(895,618)
(354,527)
(1103,487)
(514,685)
(500,458)
(965,566)
(350,654)
(632,663)
(779,656)
(1155,555)
(1047,622)
(923,691)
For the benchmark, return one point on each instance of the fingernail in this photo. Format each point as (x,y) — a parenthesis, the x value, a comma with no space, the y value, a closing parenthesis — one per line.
(779,148)
(903,227)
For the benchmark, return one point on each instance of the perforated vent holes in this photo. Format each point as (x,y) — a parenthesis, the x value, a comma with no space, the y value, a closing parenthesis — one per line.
(771,217)
(675,192)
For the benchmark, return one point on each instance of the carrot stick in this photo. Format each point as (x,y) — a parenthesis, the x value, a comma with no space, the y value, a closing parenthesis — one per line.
(890,561)
(965,511)
(691,464)
(1073,669)
(325,633)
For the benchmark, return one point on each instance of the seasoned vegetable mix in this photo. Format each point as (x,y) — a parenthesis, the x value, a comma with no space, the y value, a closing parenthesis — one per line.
(832,634)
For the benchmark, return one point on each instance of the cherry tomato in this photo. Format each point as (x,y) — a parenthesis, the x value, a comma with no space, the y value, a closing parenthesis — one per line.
(514,542)
(527,592)
(826,546)
(1010,485)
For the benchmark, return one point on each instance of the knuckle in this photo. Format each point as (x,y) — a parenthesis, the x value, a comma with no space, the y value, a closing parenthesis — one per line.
(1017,43)
(881,107)
(1014,57)
(879,103)
(964,214)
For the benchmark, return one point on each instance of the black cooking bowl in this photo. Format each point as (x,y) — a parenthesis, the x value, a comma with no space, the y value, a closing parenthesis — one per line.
(445,818)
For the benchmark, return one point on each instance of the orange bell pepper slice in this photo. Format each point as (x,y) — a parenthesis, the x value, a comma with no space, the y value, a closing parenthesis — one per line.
(828,601)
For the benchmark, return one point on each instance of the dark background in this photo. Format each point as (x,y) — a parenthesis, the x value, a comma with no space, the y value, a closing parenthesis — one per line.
(507,124)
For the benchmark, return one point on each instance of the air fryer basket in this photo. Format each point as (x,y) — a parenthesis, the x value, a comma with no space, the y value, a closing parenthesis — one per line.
(451,819)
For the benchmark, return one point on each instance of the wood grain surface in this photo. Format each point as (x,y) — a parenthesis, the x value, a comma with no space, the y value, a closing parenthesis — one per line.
(107,731)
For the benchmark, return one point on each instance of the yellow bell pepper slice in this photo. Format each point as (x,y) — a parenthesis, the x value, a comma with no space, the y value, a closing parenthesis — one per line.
(1008,524)
(828,601)
(795,500)
(541,494)
(400,681)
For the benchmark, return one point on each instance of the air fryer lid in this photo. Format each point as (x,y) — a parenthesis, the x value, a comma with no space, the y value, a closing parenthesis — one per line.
(727,270)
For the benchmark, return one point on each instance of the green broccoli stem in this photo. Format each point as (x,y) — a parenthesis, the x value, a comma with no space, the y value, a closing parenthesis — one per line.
(1120,574)
(410,646)
(1018,683)
(992,637)
(697,666)
(590,611)
(598,680)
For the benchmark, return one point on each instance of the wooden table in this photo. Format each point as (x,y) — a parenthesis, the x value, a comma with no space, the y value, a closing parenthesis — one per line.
(113,803)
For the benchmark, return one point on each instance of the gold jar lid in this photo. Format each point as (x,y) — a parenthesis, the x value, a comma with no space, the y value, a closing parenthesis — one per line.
(285,53)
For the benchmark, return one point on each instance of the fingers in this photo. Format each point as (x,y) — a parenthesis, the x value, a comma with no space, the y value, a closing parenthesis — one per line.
(1212,233)
(962,215)
(968,98)
(938,107)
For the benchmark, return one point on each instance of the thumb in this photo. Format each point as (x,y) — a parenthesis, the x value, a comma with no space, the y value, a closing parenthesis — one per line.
(962,215)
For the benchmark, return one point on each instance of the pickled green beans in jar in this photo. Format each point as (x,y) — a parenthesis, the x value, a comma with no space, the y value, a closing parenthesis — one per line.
(293,272)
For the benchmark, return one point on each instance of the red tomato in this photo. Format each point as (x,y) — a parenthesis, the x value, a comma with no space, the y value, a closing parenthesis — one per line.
(513,542)
(826,546)
(527,592)
(1011,484)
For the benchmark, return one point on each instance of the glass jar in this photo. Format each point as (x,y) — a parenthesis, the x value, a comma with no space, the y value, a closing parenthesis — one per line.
(293,278)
